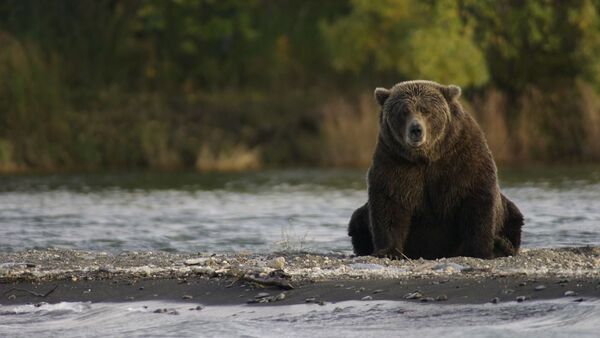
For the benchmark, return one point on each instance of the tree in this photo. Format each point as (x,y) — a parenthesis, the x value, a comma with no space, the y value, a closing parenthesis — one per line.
(413,39)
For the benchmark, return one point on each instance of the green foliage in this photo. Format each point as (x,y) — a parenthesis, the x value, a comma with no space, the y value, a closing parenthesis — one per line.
(411,38)
(536,42)
(211,44)
(165,84)
(200,41)
(29,104)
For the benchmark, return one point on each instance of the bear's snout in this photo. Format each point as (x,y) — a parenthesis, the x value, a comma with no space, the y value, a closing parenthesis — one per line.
(415,133)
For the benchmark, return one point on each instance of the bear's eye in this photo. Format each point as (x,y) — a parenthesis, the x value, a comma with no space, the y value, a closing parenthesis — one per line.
(399,109)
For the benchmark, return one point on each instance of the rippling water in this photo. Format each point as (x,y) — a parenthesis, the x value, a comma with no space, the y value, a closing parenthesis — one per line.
(558,318)
(267,211)
(264,211)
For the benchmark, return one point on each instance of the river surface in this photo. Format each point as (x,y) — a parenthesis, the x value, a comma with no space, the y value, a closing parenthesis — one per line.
(269,211)
(257,212)
(557,318)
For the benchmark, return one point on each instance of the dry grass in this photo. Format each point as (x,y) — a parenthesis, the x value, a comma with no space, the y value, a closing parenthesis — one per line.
(237,158)
(590,106)
(550,124)
(490,110)
(291,241)
(560,123)
(156,148)
(7,164)
(349,131)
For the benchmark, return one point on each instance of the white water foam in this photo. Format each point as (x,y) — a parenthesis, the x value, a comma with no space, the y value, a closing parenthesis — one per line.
(343,319)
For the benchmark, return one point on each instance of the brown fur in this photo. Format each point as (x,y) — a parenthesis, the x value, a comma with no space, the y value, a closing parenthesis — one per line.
(437,199)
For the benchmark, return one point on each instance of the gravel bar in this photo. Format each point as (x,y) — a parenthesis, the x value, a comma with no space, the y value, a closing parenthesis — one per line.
(62,264)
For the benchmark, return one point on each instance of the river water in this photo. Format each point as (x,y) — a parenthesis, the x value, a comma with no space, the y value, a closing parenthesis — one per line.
(264,212)
(558,318)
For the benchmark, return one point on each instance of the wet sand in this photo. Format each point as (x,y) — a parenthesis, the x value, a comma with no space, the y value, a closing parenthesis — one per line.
(224,292)
(67,275)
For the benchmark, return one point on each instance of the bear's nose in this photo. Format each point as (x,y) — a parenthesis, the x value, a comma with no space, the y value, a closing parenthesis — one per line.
(415,131)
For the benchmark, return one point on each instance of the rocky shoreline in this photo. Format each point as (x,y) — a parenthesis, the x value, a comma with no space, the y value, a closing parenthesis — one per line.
(58,275)
(61,264)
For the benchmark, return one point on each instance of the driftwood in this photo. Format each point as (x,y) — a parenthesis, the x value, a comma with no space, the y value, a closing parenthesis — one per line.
(281,283)
(276,278)
(33,293)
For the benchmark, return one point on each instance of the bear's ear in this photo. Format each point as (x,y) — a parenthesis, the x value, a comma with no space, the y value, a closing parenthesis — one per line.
(381,94)
(451,92)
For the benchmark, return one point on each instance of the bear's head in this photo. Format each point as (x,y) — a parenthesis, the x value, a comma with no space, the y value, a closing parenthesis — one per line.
(415,117)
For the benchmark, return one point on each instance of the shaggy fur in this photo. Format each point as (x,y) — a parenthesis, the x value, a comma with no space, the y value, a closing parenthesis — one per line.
(433,192)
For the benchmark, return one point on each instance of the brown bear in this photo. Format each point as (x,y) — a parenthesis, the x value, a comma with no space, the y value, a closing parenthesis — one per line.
(432,185)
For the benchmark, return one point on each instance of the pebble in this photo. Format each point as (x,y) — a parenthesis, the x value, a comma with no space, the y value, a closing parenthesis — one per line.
(539,287)
(428,299)
(187,297)
(441,298)
(413,295)
(195,261)
(367,298)
(449,267)
(204,270)
(310,300)
(262,295)
(277,263)
(521,298)
(11,297)
(579,300)
(495,300)
(377,291)
(366,266)
(255,301)
(523,284)
(105,269)
(570,293)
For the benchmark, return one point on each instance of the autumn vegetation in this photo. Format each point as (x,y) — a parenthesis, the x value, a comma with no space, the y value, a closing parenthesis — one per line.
(247,84)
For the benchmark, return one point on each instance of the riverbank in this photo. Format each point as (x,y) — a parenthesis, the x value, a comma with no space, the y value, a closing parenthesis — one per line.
(197,290)
(57,275)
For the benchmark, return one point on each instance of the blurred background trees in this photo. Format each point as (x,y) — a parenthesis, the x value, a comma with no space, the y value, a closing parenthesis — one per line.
(231,85)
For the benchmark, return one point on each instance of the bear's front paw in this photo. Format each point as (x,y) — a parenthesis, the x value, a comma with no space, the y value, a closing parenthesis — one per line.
(476,252)
(391,253)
